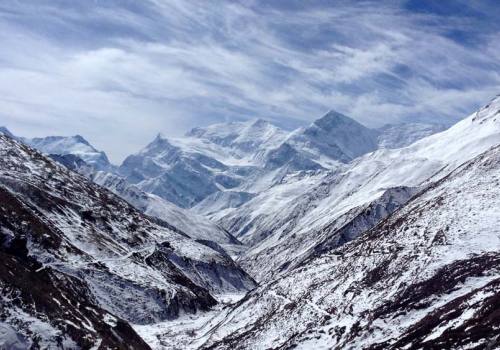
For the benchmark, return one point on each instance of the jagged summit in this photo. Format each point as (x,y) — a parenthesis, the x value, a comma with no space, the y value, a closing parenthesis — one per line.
(337,137)
(161,140)
(334,119)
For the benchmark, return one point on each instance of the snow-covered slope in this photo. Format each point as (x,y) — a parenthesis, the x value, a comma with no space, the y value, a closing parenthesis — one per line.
(197,226)
(276,255)
(217,202)
(303,205)
(74,145)
(427,277)
(334,137)
(242,139)
(246,158)
(402,135)
(130,265)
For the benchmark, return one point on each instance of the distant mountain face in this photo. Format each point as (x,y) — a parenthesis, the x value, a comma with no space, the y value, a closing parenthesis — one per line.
(245,158)
(169,172)
(71,145)
(72,162)
(84,244)
(208,160)
(336,137)
(197,226)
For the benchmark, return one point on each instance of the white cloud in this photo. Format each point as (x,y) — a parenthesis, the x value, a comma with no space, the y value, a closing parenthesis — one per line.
(118,75)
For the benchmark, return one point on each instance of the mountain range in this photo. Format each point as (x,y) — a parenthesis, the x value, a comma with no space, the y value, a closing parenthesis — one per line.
(331,236)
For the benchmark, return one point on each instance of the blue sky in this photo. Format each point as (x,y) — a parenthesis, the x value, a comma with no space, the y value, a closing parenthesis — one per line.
(119,72)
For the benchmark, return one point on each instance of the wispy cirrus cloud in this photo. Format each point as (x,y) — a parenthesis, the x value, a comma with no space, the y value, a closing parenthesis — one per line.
(120,71)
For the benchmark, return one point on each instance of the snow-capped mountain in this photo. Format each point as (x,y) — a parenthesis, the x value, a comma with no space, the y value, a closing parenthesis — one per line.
(73,145)
(358,238)
(292,212)
(67,242)
(334,137)
(74,152)
(426,277)
(241,159)
(218,158)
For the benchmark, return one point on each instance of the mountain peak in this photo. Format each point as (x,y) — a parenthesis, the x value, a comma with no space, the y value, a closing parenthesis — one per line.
(160,136)
(337,137)
(81,139)
(159,143)
(334,119)
(5,131)
(76,145)
(259,122)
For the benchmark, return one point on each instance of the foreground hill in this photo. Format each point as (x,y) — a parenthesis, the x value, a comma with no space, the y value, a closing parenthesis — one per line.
(66,242)
(428,276)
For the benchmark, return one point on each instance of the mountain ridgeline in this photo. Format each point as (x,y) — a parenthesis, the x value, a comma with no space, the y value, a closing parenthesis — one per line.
(248,157)
(331,236)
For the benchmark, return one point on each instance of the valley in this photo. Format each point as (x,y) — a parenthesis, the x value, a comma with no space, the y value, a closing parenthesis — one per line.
(248,236)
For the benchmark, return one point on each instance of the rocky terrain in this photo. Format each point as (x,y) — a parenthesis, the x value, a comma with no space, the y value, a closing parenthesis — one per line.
(91,247)
(358,238)
(425,277)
